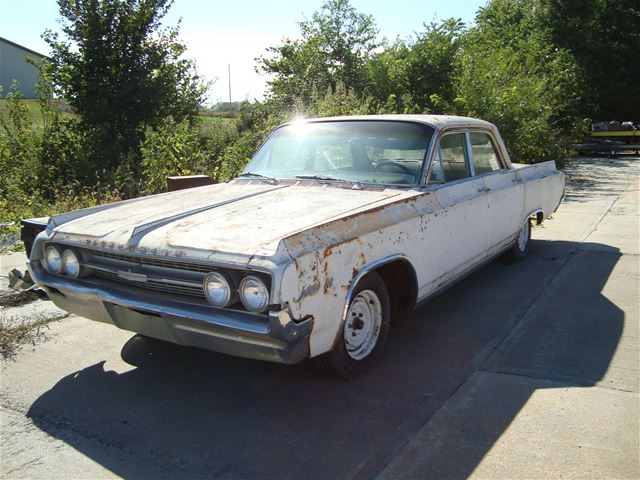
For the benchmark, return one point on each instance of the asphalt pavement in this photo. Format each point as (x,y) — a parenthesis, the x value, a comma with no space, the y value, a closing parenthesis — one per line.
(526,369)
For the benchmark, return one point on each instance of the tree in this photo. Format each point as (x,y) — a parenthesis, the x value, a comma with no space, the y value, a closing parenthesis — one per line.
(604,38)
(389,79)
(121,72)
(432,65)
(512,74)
(336,43)
(417,76)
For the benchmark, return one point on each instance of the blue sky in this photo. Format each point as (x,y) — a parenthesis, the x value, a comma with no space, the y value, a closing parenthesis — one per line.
(222,32)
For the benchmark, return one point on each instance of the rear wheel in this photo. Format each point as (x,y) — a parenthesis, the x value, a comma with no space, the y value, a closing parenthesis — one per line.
(364,332)
(520,248)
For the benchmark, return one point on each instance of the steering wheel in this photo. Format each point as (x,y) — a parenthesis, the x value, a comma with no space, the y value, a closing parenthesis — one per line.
(394,164)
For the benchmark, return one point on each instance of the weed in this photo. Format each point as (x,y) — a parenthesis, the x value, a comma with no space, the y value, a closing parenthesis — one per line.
(14,334)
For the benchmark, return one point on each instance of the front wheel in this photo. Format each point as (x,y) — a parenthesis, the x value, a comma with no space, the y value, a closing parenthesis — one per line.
(364,332)
(520,248)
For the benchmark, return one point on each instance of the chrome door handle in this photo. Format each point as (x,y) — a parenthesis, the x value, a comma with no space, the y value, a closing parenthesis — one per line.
(485,189)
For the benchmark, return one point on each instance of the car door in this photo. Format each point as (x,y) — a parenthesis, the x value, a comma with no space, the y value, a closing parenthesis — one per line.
(459,230)
(505,194)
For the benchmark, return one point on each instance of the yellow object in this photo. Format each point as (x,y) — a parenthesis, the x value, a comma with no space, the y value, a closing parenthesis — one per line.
(626,133)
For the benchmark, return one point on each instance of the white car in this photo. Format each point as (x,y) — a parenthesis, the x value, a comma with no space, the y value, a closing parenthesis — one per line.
(334,226)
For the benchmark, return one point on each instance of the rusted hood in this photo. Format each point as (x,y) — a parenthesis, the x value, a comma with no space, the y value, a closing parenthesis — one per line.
(238,217)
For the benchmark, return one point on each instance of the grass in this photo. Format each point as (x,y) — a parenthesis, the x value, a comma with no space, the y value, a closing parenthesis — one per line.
(33,109)
(209,124)
(14,335)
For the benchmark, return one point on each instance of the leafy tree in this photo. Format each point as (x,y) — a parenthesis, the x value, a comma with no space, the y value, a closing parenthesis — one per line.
(604,38)
(121,72)
(432,65)
(39,158)
(171,149)
(417,76)
(340,102)
(513,76)
(389,80)
(336,43)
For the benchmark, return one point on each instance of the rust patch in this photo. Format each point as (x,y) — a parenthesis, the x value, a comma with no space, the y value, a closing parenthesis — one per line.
(329,250)
(364,221)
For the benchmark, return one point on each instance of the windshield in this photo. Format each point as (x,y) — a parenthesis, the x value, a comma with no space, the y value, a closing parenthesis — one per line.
(387,152)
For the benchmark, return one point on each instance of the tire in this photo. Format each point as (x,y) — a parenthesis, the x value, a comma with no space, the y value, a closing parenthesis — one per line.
(362,336)
(521,245)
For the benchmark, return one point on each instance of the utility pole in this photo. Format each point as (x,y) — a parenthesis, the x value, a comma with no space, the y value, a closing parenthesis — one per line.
(229,65)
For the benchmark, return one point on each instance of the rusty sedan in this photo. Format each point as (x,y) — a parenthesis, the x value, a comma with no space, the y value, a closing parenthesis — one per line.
(335,226)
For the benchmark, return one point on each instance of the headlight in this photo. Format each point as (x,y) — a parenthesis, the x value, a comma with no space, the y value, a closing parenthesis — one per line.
(254,294)
(71,263)
(217,290)
(53,259)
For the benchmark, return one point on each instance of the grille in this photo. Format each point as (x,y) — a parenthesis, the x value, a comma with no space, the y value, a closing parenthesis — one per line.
(153,261)
(194,291)
(162,275)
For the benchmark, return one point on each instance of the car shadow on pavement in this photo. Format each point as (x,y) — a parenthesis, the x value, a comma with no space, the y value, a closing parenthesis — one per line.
(201,414)
(591,178)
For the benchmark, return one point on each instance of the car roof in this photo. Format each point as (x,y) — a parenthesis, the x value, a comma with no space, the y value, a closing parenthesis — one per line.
(436,121)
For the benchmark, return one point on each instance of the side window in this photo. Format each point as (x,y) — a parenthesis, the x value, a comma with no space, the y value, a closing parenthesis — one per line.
(485,157)
(450,159)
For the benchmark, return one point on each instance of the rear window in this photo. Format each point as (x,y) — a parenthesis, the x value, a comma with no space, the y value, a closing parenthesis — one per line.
(485,158)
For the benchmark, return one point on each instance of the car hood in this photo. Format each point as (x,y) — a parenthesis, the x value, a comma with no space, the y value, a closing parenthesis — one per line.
(239,217)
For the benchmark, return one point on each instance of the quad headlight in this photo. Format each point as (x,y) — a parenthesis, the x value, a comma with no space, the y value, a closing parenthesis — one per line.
(53,259)
(67,262)
(218,290)
(254,294)
(71,263)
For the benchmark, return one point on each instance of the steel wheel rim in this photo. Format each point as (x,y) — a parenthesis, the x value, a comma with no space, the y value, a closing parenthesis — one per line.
(523,237)
(363,324)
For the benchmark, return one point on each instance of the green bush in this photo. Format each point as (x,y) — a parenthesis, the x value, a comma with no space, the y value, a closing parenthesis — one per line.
(40,162)
(512,76)
(171,149)
(43,162)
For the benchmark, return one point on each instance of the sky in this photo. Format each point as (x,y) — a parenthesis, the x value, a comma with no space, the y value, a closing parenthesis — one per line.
(219,33)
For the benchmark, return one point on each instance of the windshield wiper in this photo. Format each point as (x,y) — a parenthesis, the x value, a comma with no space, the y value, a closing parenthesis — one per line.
(329,179)
(259,175)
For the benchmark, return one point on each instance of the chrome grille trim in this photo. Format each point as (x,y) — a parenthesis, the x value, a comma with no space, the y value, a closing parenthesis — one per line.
(162,285)
(151,261)
(150,273)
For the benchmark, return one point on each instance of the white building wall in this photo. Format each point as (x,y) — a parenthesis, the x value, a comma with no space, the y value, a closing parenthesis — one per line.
(13,66)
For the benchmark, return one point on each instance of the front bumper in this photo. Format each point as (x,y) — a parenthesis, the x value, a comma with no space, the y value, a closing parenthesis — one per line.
(275,337)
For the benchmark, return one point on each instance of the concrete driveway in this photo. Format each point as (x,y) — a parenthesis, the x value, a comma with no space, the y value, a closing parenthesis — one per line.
(527,369)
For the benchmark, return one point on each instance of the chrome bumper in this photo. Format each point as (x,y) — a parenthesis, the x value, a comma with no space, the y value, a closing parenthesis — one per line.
(275,337)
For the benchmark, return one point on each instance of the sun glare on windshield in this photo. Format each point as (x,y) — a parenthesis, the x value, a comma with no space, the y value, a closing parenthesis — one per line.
(378,152)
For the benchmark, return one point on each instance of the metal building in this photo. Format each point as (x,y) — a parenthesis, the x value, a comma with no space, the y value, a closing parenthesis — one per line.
(14,66)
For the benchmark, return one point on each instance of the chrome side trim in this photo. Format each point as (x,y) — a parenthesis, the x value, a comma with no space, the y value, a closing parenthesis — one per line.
(368,268)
